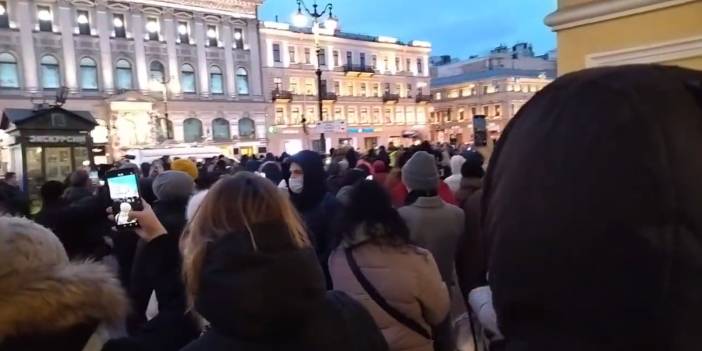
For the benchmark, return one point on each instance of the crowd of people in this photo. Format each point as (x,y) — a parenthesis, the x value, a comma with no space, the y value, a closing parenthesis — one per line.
(581,232)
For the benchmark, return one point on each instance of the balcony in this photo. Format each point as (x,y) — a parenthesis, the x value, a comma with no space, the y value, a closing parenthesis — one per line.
(391,98)
(329,97)
(359,71)
(282,95)
(422,99)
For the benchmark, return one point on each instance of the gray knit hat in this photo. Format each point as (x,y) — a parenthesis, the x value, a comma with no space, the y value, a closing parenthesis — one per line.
(419,173)
(172,185)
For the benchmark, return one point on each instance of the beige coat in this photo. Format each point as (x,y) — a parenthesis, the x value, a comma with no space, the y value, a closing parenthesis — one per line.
(408,279)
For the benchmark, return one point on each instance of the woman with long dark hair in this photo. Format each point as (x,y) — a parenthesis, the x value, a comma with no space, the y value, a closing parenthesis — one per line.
(375,263)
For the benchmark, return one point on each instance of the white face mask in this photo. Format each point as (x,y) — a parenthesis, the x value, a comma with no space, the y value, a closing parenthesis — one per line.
(296,184)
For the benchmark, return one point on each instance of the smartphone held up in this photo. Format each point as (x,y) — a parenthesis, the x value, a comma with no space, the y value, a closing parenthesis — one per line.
(123,185)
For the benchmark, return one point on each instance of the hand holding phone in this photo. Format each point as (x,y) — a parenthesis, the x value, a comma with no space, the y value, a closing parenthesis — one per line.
(123,185)
(150,227)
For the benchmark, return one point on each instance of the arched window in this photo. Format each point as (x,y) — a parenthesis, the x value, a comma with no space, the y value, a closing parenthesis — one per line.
(247,128)
(88,74)
(123,75)
(9,78)
(157,72)
(242,81)
(216,84)
(50,73)
(187,78)
(220,129)
(192,130)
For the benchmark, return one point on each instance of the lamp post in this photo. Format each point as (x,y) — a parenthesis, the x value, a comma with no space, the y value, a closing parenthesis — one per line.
(163,122)
(300,20)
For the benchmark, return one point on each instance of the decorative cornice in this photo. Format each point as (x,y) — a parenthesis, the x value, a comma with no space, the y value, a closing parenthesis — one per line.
(235,8)
(600,11)
(654,53)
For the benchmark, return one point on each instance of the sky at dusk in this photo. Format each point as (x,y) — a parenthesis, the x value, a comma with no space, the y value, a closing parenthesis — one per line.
(459,28)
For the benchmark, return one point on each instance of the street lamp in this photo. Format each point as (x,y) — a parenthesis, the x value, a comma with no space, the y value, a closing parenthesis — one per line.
(300,20)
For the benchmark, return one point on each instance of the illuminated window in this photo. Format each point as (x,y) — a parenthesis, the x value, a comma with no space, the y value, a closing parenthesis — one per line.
(83,20)
(119,25)
(46,18)
(212,36)
(184,32)
(238,38)
(4,16)
(153,28)
(498,110)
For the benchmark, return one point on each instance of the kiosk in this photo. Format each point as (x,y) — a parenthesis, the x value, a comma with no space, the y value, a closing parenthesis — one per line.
(47,143)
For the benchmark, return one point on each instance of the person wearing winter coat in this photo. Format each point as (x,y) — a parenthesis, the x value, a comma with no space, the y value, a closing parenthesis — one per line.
(251,273)
(454,180)
(156,275)
(48,302)
(309,194)
(406,276)
(434,224)
(471,255)
(596,245)
(380,172)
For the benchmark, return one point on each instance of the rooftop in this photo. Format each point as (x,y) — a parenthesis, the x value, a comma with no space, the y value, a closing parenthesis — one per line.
(344,35)
(490,74)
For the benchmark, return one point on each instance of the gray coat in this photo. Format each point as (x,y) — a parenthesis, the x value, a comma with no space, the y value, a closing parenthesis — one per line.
(436,226)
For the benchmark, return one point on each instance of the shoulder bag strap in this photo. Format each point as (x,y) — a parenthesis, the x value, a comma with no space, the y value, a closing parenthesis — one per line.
(373,293)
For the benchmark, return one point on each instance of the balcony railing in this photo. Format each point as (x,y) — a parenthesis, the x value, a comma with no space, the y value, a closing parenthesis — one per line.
(282,95)
(359,70)
(329,97)
(387,97)
(422,98)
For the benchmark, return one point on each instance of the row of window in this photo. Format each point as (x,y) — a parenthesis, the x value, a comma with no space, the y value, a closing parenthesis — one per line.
(193,131)
(462,113)
(84,26)
(488,89)
(307,86)
(306,58)
(50,74)
(352,115)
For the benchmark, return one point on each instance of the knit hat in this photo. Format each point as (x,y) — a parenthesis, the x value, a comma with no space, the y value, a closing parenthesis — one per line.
(171,185)
(419,173)
(27,246)
(185,165)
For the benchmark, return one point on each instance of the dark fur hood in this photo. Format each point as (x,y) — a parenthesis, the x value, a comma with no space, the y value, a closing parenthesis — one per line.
(59,298)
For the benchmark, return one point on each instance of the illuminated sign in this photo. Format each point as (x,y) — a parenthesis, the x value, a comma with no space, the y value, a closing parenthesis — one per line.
(58,139)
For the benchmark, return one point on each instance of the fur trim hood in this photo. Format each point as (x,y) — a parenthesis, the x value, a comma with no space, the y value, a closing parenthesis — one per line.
(58,299)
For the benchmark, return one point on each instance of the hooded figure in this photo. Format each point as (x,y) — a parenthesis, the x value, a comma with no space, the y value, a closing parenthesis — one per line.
(380,172)
(49,303)
(454,180)
(309,195)
(596,243)
(273,171)
(172,190)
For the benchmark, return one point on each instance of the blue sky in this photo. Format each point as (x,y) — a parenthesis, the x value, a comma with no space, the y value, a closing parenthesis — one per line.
(456,27)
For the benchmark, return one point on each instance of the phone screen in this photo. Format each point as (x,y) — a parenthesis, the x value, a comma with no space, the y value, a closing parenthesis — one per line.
(124,192)
(480,130)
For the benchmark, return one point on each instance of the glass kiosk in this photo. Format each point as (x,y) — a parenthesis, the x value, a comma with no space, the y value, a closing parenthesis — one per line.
(47,144)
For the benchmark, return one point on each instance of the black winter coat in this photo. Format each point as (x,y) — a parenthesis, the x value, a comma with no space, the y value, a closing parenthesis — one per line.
(274,298)
(594,202)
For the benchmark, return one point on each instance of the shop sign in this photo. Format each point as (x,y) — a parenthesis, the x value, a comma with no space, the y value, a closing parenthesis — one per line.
(58,139)
(330,127)
(361,130)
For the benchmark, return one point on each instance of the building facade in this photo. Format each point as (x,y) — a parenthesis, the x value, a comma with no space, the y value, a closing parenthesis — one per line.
(376,87)
(162,75)
(593,33)
(495,86)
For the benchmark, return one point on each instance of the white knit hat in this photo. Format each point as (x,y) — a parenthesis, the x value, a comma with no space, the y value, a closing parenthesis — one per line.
(27,246)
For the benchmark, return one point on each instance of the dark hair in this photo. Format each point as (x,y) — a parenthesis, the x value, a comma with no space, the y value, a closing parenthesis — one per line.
(352,157)
(145,169)
(51,192)
(79,178)
(353,176)
(472,168)
(369,205)
(364,167)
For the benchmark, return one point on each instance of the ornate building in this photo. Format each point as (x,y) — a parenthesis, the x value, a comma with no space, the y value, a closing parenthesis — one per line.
(160,77)
(495,86)
(377,86)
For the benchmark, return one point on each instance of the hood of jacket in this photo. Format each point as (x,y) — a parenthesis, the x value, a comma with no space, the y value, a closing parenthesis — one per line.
(53,300)
(456,164)
(263,293)
(314,187)
(598,240)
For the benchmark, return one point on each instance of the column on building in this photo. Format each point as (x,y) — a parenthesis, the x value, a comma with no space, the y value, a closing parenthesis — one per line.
(29,58)
(68,46)
(285,53)
(169,27)
(255,73)
(269,53)
(330,57)
(203,76)
(425,65)
(229,57)
(103,29)
(139,52)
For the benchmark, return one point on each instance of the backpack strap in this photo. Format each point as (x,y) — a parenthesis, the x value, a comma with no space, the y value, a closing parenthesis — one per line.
(375,295)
